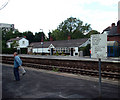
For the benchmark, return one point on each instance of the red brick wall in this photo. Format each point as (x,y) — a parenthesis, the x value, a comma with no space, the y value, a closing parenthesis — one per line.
(118,27)
(114,38)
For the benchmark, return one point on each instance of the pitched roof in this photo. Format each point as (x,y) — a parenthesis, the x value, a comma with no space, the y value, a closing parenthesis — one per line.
(113,31)
(107,29)
(60,43)
(15,39)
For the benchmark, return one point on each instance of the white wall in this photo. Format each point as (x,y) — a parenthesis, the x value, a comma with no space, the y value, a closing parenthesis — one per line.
(23,43)
(76,49)
(45,50)
(9,44)
(20,42)
(39,50)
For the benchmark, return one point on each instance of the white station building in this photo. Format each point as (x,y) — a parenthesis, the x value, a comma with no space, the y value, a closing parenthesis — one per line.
(69,47)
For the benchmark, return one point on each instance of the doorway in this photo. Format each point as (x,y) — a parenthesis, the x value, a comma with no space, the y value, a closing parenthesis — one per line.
(51,51)
(71,51)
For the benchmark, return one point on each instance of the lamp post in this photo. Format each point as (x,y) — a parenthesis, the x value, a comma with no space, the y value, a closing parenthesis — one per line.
(42,47)
(42,41)
(41,30)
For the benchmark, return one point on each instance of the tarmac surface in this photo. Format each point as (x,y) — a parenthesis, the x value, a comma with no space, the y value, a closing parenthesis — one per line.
(44,84)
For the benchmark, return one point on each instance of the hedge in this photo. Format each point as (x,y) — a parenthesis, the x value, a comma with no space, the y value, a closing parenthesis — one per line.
(12,50)
(8,50)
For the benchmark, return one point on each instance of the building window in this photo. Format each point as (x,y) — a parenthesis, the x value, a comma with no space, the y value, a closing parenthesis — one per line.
(23,42)
(67,50)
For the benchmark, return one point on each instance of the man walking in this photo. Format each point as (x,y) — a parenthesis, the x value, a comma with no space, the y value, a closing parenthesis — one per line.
(17,64)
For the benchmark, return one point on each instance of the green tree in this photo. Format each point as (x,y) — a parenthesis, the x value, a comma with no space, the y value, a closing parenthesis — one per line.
(3,44)
(73,27)
(6,35)
(29,36)
(91,33)
(49,35)
(39,36)
(15,44)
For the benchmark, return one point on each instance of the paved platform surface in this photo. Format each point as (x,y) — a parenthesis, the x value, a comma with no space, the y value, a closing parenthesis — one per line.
(41,84)
(109,59)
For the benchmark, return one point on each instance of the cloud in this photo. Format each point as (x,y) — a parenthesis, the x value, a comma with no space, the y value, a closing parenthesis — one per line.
(34,15)
(102,2)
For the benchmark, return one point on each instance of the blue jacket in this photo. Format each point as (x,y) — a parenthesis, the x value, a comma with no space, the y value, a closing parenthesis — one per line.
(17,61)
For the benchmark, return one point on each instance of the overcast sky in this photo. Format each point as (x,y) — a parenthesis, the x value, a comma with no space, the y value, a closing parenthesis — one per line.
(34,15)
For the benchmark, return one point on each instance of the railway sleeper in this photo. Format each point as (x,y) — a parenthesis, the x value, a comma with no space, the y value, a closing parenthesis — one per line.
(81,67)
(70,70)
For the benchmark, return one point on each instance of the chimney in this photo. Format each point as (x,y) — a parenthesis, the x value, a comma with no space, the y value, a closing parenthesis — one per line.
(118,27)
(51,39)
(42,39)
(69,37)
(113,24)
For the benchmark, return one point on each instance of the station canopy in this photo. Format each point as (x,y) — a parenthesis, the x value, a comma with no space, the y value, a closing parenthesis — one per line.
(112,43)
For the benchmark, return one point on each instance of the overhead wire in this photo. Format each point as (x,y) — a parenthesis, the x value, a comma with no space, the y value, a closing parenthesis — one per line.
(4,5)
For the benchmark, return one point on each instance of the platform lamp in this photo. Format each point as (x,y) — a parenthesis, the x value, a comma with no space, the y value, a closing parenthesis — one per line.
(42,47)
(42,41)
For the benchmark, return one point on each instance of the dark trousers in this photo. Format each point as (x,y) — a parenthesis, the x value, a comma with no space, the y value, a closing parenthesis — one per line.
(16,74)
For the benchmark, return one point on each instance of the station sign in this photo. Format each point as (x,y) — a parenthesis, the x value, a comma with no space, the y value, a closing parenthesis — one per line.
(119,10)
(99,46)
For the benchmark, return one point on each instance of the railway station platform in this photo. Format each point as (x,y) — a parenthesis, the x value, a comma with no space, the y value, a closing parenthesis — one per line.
(109,59)
(37,83)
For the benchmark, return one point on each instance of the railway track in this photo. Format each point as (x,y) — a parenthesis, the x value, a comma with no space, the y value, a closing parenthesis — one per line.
(110,70)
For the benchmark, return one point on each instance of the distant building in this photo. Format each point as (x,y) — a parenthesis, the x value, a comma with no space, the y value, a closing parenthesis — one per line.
(6,27)
(21,41)
(113,37)
(113,32)
(68,47)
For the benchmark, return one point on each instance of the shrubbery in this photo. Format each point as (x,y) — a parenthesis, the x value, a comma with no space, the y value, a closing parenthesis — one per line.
(12,50)
(8,50)
(86,50)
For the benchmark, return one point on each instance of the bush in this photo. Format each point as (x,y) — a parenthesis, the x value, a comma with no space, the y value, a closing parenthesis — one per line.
(55,69)
(8,50)
(86,50)
(62,54)
(57,54)
(23,50)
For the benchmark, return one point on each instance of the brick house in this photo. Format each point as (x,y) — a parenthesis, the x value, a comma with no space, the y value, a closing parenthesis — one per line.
(113,37)
(113,32)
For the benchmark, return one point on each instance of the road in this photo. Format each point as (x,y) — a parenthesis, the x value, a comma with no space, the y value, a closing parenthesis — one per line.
(41,84)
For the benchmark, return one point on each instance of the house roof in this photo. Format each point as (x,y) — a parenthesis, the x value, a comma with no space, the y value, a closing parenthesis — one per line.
(107,29)
(15,39)
(60,43)
(113,29)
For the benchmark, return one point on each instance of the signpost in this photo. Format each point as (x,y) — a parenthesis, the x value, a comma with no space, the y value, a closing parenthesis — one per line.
(99,46)
(99,51)
(119,10)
